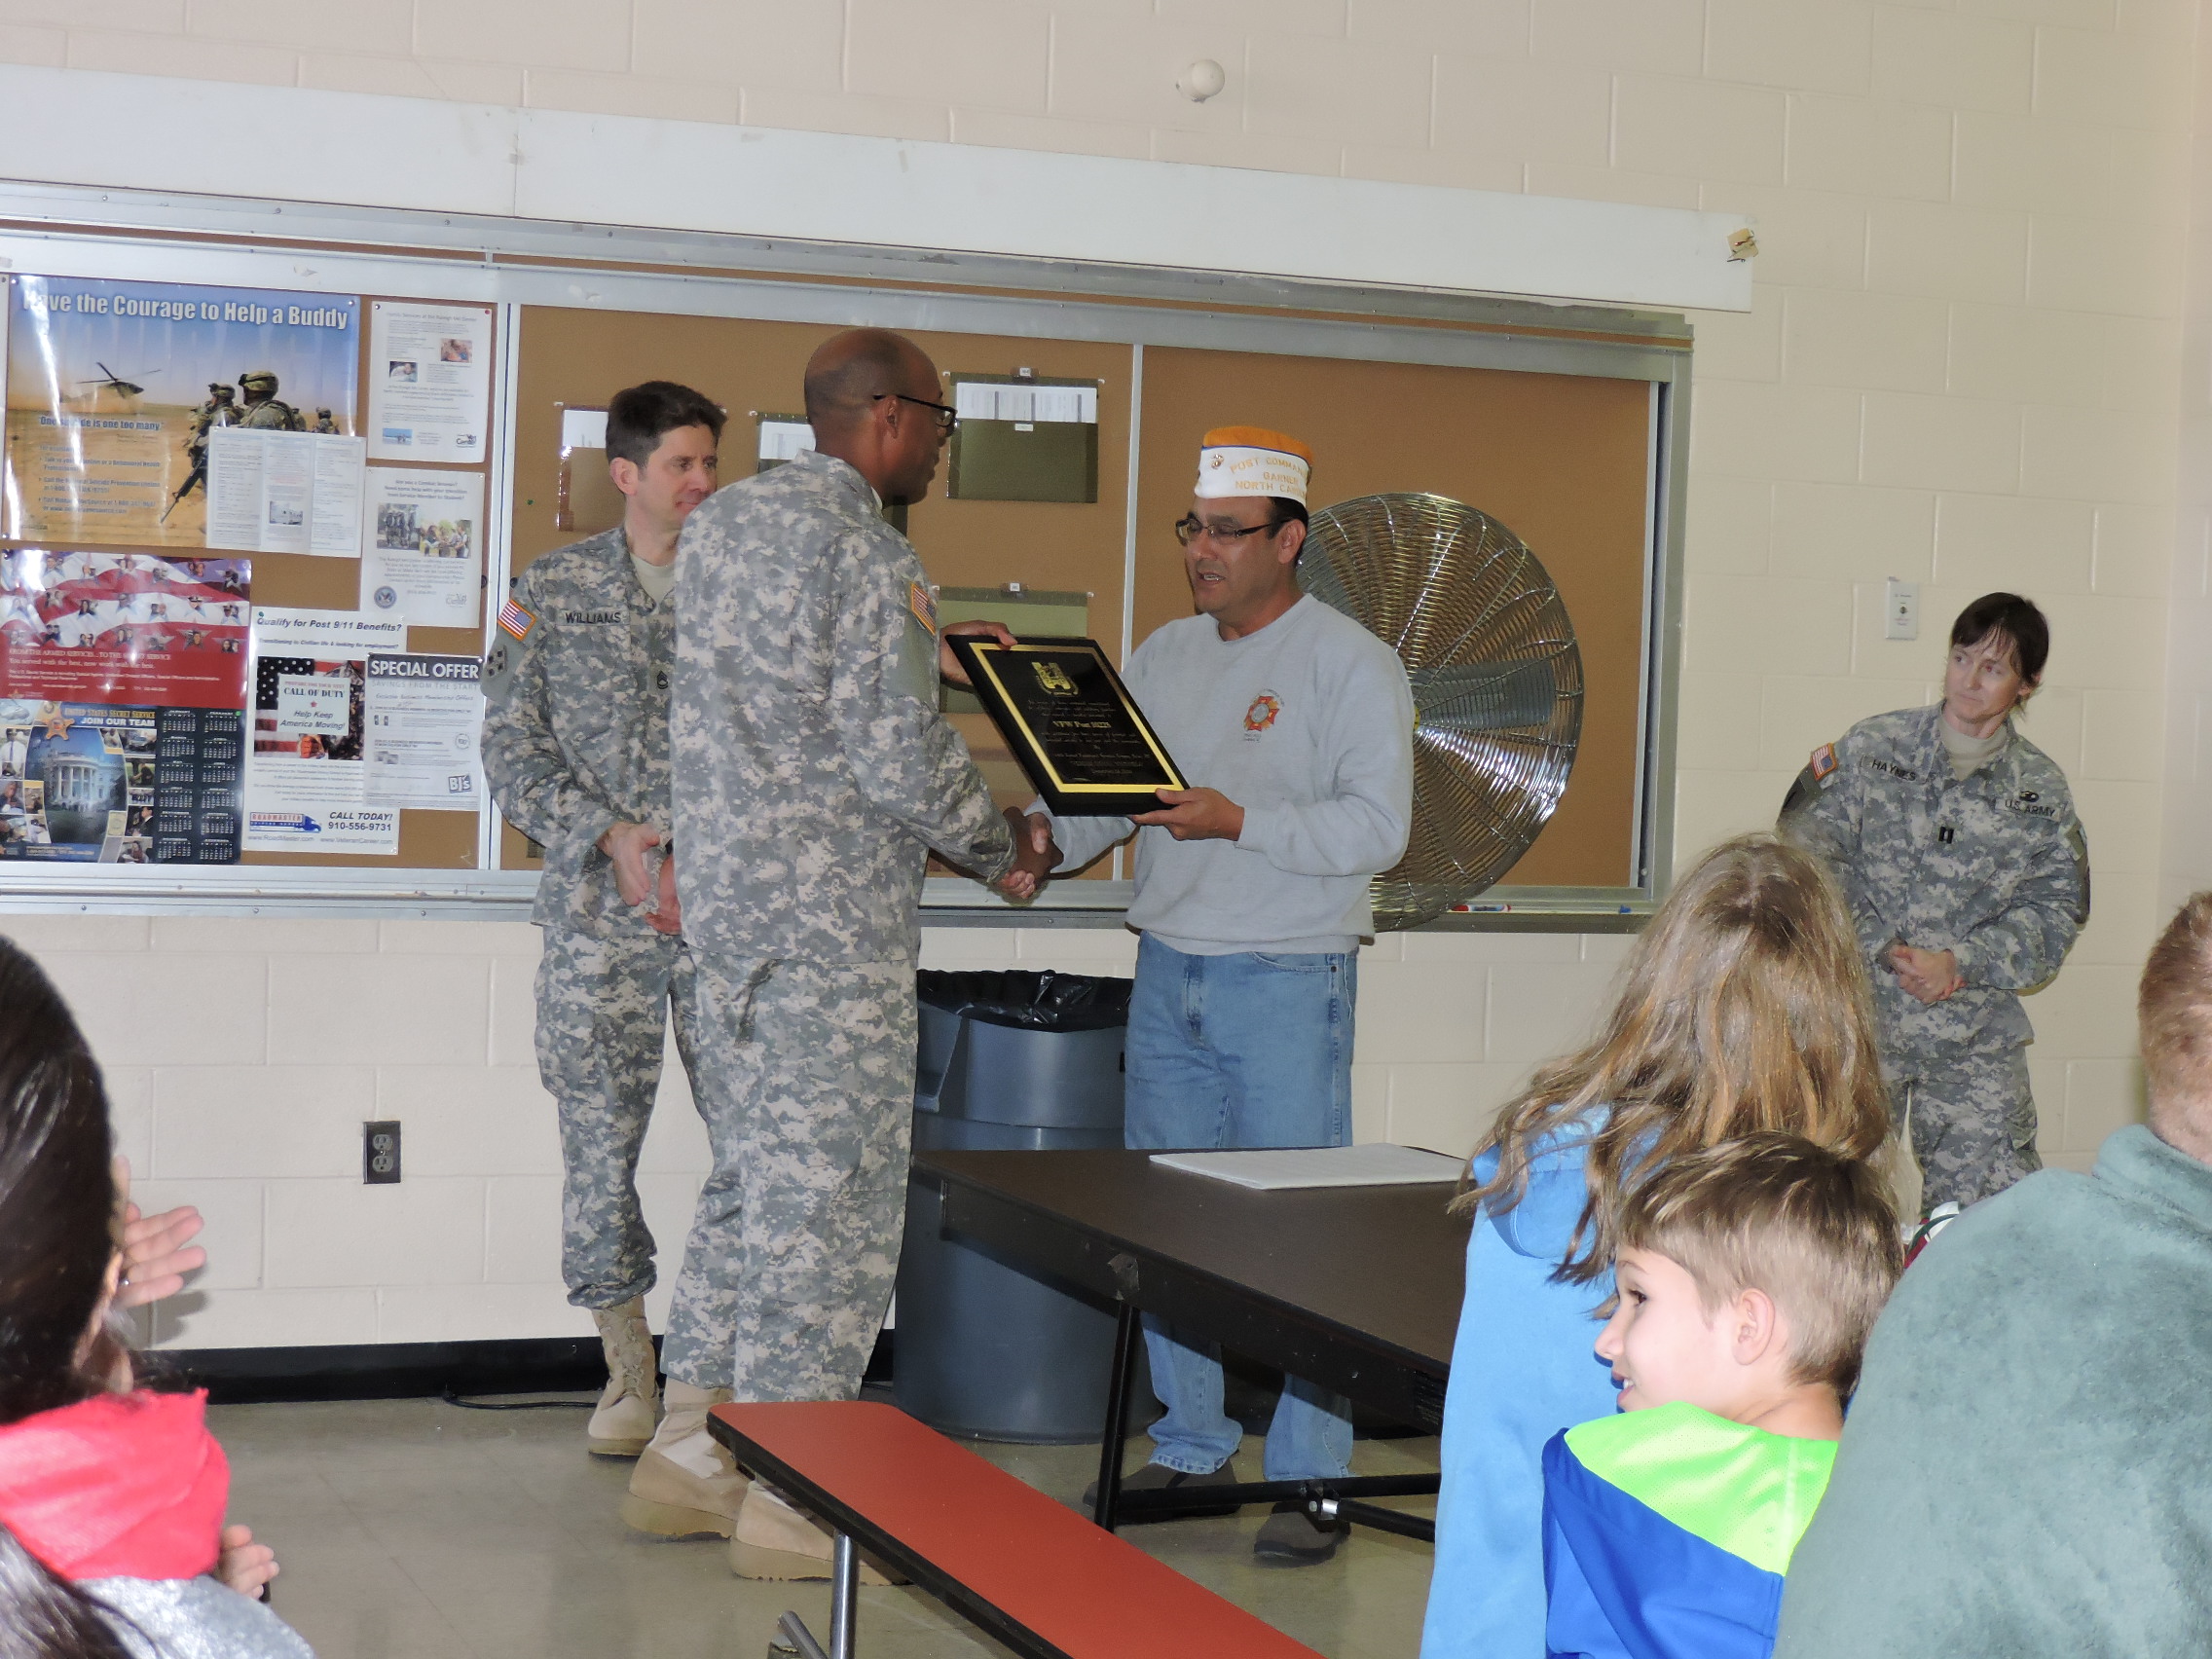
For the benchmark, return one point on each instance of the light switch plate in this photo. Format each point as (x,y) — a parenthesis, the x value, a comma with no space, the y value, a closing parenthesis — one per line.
(1901,610)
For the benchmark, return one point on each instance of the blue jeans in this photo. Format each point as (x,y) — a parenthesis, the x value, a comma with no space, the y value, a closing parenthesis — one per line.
(1247,1051)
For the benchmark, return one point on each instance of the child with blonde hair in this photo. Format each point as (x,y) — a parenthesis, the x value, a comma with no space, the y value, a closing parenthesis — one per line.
(1743,1007)
(1750,1275)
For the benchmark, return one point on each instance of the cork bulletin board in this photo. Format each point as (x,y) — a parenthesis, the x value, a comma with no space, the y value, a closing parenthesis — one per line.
(1559,459)
(582,358)
(1564,423)
(428,839)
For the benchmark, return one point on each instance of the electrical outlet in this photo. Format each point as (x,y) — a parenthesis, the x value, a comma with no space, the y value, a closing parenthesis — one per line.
(1901,610)
(380,1153)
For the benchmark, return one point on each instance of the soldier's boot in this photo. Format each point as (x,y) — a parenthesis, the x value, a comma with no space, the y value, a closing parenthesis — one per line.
(623,1423)
(773,1540)
(684,1485)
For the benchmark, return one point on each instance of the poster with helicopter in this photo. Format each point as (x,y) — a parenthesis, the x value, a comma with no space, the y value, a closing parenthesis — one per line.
(112,389)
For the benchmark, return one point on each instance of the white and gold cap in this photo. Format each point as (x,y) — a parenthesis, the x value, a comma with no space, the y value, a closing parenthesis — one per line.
(1251,461)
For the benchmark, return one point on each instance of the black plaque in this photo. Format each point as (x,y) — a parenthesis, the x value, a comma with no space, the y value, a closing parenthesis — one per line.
(1071,723)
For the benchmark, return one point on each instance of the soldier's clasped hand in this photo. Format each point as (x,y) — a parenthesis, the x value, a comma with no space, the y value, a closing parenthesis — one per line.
(627,844)
(1930,975)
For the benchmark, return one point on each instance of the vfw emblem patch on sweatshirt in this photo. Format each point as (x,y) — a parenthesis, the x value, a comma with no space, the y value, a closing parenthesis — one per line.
(1261,714)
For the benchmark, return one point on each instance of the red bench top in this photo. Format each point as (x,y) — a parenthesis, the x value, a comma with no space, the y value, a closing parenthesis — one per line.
(1071,1583)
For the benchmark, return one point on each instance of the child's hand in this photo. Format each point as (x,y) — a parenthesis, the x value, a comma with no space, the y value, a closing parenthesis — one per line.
(157,1250)
(245,1565)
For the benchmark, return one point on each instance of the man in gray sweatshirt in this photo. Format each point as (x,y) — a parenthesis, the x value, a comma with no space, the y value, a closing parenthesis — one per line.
(1251,894)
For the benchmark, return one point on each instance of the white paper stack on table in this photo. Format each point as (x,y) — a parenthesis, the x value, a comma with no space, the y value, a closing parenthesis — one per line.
(1375,1164)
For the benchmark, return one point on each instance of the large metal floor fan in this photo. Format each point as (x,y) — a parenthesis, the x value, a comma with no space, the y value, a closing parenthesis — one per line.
(1497,681)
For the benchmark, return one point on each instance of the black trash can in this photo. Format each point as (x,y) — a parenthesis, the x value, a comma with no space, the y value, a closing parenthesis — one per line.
(1007,1061)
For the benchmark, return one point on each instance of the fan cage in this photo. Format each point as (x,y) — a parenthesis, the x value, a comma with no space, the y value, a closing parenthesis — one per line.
(1496,682)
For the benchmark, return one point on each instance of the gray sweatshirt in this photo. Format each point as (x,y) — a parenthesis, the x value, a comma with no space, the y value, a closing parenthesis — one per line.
(1307,726)
(193,1618)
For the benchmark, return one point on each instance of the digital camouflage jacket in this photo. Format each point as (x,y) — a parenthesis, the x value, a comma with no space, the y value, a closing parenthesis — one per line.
(1993,868)
(576,722)
(812,768)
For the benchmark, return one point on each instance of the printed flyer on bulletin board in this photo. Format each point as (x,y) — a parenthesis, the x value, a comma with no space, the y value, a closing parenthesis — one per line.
(303,776)
(123,681)
(114,388)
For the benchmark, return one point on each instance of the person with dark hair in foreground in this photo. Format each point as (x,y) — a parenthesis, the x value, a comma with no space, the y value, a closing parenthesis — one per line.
(1968,875)
(115,1489)
(2026,1470)
(44,1617)
(575,746)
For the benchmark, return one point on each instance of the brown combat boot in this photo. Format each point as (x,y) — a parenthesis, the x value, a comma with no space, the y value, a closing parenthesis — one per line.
(623,1423)
(684,1485)
(772,1540)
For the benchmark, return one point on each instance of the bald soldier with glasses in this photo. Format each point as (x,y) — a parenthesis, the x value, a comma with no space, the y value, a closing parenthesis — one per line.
(1251,894)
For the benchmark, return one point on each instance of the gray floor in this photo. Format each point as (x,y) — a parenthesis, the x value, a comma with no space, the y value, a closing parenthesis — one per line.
(413,1529)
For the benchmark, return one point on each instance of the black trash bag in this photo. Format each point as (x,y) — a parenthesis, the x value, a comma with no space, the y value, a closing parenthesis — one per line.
(1028,1001)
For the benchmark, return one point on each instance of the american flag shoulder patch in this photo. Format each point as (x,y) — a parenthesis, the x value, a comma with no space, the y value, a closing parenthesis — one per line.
(923,606)
(1824,762)
(514,620)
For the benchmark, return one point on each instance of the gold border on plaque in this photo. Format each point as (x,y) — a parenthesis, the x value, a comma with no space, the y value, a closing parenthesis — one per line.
(987,648)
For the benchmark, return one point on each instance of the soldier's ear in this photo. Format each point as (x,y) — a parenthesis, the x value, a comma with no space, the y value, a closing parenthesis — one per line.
(625,474)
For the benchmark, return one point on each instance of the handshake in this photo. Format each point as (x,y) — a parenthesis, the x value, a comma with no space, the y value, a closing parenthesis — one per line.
(1035,855)
(1188,815)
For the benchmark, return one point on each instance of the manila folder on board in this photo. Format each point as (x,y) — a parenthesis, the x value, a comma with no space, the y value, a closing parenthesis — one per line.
(1375,1164)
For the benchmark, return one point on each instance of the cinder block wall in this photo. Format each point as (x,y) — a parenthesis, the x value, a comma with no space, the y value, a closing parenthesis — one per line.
(1965,367)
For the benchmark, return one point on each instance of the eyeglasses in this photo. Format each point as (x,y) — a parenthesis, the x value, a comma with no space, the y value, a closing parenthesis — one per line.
(1189,529)
(947,417)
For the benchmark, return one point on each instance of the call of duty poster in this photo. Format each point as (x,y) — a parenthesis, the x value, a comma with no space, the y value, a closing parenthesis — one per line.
(97,782)
(114,387)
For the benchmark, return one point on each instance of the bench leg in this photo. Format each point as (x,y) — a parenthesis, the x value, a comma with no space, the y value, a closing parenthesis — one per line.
(844,1607)
(797,1638)
(1117,1386)
(844,1597)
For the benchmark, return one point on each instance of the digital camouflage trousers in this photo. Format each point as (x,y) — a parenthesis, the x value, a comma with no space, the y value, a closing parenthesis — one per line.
(603,1011)
(1974,1121)
(807,1072)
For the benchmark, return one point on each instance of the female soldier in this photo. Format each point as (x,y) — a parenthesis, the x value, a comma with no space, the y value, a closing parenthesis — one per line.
(1956,844)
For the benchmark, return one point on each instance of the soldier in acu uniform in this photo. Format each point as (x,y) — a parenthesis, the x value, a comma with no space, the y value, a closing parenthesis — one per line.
(220,409)
(264,411)
(813,773)
(576,744)
(1956,844)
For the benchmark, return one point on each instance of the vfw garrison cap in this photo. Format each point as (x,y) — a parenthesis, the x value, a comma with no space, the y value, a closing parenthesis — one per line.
(1251,461)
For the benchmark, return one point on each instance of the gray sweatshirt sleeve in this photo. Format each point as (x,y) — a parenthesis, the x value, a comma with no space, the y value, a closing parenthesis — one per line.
(1081,839)
(1360,828)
